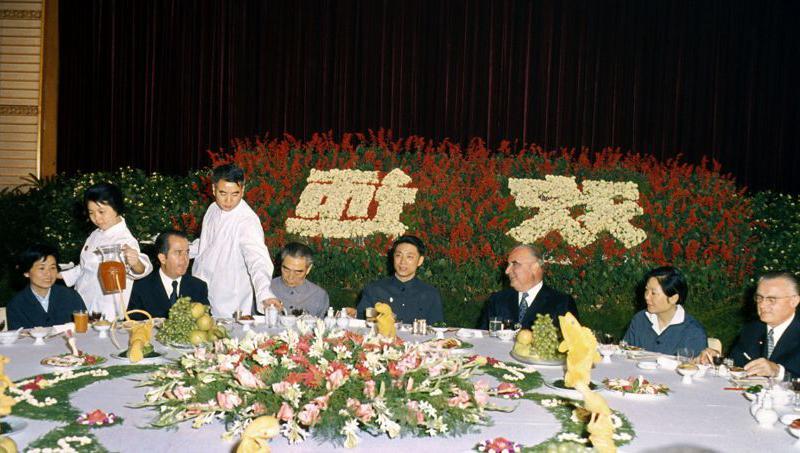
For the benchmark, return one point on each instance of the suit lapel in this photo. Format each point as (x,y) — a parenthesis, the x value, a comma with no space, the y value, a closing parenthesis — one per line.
(789,340)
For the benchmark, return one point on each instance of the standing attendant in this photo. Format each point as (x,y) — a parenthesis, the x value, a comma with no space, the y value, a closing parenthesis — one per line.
(230,255)
(293,289)
(105,206)
(528,295)
(159,291)
(409,297)
(42,303)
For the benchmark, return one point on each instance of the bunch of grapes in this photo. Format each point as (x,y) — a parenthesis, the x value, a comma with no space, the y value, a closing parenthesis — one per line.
(545,338)
(179,325)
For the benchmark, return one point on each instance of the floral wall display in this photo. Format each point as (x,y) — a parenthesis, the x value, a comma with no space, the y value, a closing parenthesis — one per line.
(604,217)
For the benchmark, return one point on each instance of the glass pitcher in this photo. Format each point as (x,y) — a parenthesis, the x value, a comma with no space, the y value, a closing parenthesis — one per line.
(112,269)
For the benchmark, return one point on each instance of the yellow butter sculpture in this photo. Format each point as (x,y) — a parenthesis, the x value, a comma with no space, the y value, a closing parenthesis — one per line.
(256,436)
(580,345)
(6,402)
(141,333)
(385,320)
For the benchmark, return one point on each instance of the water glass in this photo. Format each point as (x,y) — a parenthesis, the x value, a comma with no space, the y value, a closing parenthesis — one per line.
(684,355)
(495,324)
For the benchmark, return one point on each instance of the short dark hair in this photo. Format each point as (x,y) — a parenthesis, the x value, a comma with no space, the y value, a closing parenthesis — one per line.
(162,241)
(671,280)
(297,250)
(409,239)
(107,194)
(35,253)
(786,275)
(228,172)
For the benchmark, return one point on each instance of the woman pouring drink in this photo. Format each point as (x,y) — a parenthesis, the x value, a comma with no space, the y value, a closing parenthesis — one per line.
(104,285)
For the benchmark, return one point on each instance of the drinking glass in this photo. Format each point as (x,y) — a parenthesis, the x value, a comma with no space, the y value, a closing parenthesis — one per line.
(495,324)
(684,355)
(717,361)
(794,383)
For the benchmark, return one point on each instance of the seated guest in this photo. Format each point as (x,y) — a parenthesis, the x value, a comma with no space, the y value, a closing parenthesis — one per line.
(41,303)
(770,346)
(157,292)
(409,297)
(292,288)
(528,295)
(665,326)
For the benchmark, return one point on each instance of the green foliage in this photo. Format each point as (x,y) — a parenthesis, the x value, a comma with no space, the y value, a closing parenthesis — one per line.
(777,225)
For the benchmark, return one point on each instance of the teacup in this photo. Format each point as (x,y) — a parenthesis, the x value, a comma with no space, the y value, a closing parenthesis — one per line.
(506,334)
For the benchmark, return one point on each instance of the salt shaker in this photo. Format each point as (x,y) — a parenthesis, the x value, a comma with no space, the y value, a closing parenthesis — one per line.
(330,319)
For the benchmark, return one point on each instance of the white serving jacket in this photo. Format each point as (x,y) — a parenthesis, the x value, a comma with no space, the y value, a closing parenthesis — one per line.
(85,278)
(231,257)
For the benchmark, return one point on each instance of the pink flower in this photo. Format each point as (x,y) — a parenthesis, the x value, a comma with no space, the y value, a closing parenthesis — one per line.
(365,412)
(246,378)
(460,400)
(200,353)
(182,392)
(336,379)
(414,414)
(285,413)
(481,393)
(281,387)
(322,401)
(309,415)
(369,389)
(228,400)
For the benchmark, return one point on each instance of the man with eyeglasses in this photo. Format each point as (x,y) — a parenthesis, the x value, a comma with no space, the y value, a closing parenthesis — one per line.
(770,346)
(528,295)
(292,288)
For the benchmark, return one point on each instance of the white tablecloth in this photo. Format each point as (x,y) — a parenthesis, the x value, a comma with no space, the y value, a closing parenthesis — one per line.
(702,415)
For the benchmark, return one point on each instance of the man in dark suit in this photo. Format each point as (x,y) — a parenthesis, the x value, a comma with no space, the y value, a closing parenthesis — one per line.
(528,295)
(42,303)
(770,346)
(157,292)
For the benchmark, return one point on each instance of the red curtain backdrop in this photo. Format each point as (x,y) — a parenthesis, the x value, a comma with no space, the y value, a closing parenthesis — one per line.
(154,84)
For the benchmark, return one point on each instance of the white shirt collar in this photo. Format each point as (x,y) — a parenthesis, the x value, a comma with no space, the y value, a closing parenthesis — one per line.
(777,331)
(167,281)
(532,293)
(677,318)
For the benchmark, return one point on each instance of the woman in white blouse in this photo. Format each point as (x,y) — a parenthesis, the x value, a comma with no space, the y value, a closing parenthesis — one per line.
(105,204)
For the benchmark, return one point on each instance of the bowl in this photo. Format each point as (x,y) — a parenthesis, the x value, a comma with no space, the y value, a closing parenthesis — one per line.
(288,321)
(738,373)
(39,332)
(9,337)
(506,334)
(687,369)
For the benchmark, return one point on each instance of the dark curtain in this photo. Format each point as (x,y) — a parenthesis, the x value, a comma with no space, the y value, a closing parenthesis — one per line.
(154,84)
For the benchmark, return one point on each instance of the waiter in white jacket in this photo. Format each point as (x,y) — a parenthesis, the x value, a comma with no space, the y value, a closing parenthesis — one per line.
(230,254)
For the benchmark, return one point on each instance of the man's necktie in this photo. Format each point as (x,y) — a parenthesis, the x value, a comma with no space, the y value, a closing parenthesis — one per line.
(174,296)
(523,305)
(770,343)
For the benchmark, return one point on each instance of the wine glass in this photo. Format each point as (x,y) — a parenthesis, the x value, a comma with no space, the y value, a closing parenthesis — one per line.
(795,386)
(684,355)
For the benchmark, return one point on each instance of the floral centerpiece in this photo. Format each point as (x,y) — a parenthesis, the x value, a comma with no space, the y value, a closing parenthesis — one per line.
(328,384)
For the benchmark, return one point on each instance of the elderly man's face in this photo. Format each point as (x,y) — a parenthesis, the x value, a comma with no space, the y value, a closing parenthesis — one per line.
(227,194)
(776,300)
(294,270)
(523,269)
(176,261)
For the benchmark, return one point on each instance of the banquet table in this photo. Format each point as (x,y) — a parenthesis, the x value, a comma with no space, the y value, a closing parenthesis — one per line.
(700,416)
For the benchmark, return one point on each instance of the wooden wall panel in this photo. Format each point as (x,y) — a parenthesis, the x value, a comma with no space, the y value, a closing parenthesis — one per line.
(21,31)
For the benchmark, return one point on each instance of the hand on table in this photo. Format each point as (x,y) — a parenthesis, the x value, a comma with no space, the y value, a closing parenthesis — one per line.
(274,302)
(707,356)
(351,312)
(762,367)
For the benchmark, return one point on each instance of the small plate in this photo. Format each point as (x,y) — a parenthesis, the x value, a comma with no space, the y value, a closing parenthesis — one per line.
(637,396)
(789,418)
(70,361)
(531,361)
(647,365)
(15,425)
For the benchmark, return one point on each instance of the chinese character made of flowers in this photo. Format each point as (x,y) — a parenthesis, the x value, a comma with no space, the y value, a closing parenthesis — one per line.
(336,204)
(609,206)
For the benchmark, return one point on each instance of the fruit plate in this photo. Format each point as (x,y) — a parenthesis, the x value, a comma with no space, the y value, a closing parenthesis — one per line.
(181,346)
(644,390)
(559,389)
(151,357)
(72,361)
(532,361)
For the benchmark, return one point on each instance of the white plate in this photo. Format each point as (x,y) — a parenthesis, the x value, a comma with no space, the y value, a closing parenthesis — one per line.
(145,361)
(789,418)
(566,392)
(15,425)
(528,360)
(647,365)
(642,355)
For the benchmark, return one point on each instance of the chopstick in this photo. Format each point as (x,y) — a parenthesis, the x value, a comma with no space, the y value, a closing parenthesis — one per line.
(734,388)
(747,356)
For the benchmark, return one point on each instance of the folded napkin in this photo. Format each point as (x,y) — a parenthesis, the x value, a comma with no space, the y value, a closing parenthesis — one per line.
(667,363)
(469,333)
